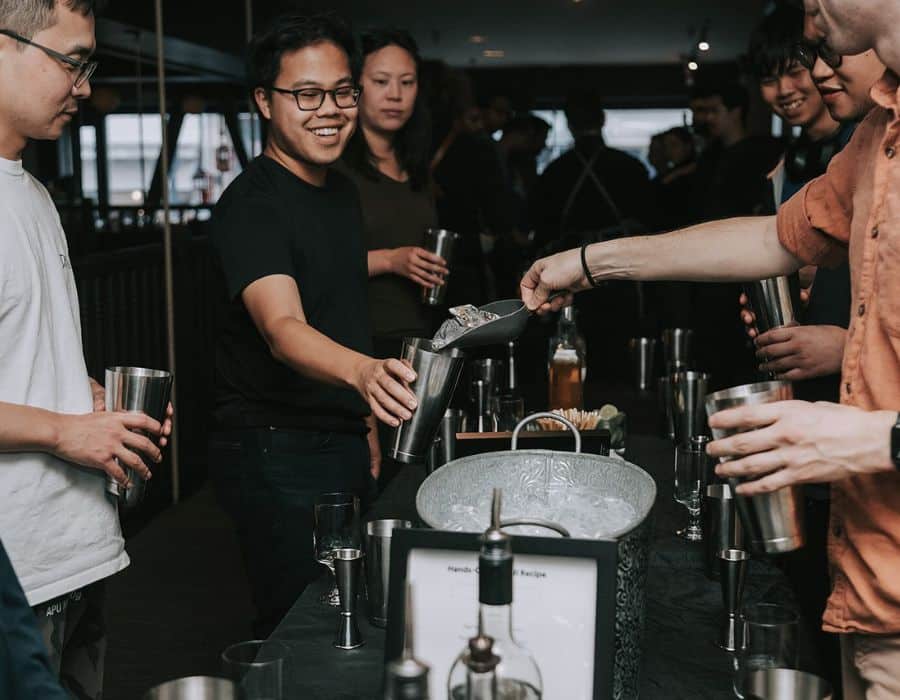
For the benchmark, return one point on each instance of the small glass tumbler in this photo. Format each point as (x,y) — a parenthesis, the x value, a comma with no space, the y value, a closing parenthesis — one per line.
(508,412)
(337,525)
(257,667)
(769,639)
(618,431)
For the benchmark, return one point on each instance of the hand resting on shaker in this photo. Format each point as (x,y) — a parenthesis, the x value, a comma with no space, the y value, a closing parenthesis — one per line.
(108,442)
(797,442)
(383,384)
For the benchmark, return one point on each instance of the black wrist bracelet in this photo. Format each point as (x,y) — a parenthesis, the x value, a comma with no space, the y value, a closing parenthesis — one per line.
(895,443)
(584,265)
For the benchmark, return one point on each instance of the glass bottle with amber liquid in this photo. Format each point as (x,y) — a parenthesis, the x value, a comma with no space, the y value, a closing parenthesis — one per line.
(474,676)
(566,363)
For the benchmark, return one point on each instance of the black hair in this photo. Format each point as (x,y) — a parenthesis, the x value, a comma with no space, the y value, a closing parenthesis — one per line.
(527,123)
(773,44)
(28,17)
(291,32)
(732,93)
(413,141)
(584,111)
(682,133)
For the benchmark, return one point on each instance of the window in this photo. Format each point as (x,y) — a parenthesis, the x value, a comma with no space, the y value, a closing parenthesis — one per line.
(196,175)
(128,137)
(626,129)
(88,137)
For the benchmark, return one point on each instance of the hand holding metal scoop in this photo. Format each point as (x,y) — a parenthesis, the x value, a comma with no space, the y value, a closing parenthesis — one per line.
(497,322)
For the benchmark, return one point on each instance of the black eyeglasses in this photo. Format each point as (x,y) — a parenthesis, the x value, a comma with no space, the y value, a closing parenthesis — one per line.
(311,99)
(83,69)
(807,54)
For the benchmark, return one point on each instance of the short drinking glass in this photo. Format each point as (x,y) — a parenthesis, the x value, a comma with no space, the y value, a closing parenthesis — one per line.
(258,667)
(690,465)
(769,639)
(337,526)
(508,412)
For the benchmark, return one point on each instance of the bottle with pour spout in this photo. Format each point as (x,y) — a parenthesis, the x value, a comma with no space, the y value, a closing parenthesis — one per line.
(567,363)
(406,678)
(516,676)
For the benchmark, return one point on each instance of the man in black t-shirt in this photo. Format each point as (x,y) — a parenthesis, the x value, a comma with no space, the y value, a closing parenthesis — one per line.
(730,180)
(294,380)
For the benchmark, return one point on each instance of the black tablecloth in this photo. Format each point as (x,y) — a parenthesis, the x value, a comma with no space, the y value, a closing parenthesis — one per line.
(684,609)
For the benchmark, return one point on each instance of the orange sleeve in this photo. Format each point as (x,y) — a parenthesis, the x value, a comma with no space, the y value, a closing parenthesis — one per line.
(811,244)
(814,224)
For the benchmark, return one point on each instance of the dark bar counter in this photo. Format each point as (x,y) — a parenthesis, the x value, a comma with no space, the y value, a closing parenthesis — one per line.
(683,614)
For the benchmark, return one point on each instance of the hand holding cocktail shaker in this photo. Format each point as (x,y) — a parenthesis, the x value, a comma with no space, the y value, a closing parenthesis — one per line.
(136,389)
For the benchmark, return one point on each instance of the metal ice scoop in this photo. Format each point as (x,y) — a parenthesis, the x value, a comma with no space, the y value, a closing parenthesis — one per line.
(512,317)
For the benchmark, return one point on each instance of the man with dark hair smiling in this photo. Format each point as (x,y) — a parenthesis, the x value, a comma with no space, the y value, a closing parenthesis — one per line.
(295,386)
(57,444)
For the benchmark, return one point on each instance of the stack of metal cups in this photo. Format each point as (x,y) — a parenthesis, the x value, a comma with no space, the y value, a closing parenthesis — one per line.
(677,344)
(773,521)
(438,372)
(379,534)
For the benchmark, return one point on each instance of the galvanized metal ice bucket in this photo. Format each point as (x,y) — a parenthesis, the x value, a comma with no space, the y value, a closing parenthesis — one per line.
(528,479)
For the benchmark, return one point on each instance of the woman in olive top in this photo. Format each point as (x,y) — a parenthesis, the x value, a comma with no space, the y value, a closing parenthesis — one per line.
(388,160)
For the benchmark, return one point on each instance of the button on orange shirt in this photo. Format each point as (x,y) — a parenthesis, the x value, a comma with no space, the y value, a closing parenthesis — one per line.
(854,208)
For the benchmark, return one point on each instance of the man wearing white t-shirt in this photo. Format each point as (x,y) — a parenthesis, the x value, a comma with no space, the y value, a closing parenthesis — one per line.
(57,445)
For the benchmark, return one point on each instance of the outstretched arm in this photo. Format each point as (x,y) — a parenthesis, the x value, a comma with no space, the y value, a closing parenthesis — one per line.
(719,251)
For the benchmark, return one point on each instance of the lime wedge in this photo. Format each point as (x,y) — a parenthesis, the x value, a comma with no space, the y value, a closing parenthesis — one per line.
(608,411)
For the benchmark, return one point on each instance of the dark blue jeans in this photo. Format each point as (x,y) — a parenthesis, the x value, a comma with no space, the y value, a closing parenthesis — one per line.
(267,480)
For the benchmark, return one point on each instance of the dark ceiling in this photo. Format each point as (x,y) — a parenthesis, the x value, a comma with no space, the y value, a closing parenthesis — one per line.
(528,32)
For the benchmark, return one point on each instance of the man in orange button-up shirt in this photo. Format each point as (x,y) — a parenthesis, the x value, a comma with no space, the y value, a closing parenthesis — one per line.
(854,209)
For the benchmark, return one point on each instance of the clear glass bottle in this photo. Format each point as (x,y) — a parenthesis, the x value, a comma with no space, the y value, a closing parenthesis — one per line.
(517,675)
(567,363)
(474,675)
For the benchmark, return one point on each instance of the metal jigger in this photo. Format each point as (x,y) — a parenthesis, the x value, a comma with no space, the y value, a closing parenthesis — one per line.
(732,568)
(406,677)
(347,569)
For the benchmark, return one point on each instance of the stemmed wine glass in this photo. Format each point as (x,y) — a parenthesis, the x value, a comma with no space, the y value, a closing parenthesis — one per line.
(690,468)
(337,526)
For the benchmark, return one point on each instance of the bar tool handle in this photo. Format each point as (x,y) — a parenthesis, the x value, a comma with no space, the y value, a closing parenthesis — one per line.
(555,416)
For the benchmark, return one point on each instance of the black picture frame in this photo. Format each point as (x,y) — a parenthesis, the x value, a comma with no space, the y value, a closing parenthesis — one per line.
(603,552)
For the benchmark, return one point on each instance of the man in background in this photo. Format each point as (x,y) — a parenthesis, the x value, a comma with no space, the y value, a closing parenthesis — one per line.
(730,180)
(595,192)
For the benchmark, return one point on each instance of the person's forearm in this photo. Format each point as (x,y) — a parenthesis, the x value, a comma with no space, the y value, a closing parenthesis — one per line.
(380,262)
(313,354)
(27,429)
(730,250)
